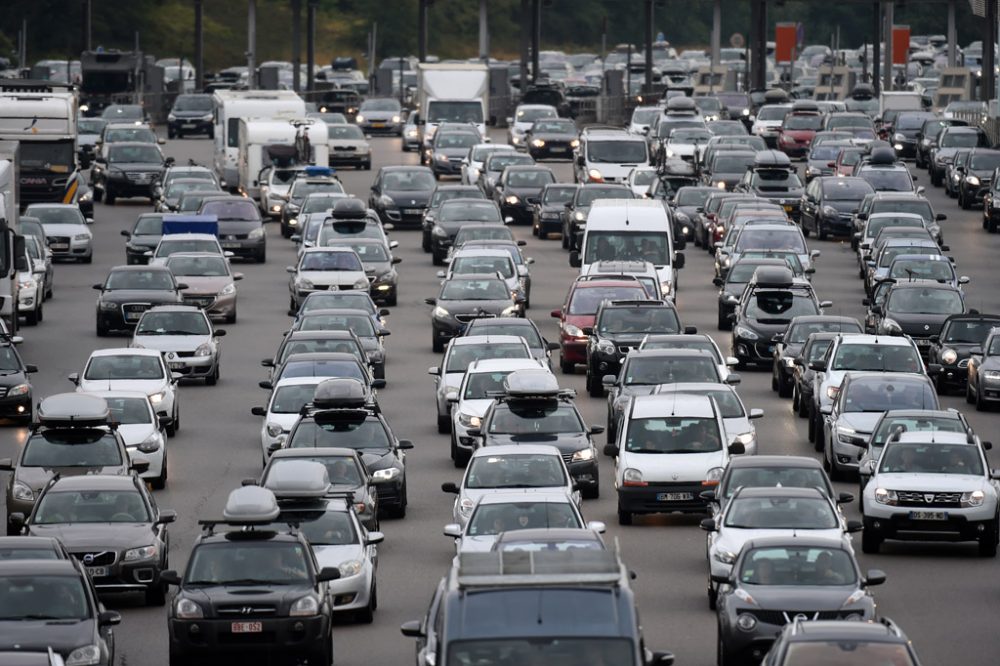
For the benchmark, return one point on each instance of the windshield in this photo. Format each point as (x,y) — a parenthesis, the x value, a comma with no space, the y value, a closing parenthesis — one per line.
(544,650)
(691,196)
(973,331)
(319,203)
(878,394)
(330,261)
(585,301)
(651,370)
(781,513)
(9,361)
(193,103)
(920,269)
(390,105)
(962,140)
(475,290)
(91,125)
(332,233)
(771,239)
(817,350)
(877,358)
(408,181)
(525,115)
(779,306)
(841,122)
(169,246)
(798,566)
(148,225)
(673,434)
(541,417)
(108,506)
(124,366)
(487,265)
(772,113)
(498,160)
(985,161)
(214,266)
(441,195)
(478,384)
(812,653)
(889,426)
(535,470)
(888,180)
(321,345)
(485,211)
(617,152)
(455,112)
(934,458)
(178,187)
(824,152)
(529,179)
(462,355)
(52,156)
(56,215)
(76,448)
(638,320)
(803,122)
(173,323)
(38,597)
(690,135)
(925,301)
(320,527)
(844,189)
(247,562)
(344,132)
(322,368)
(492,519)
(118,134)
(471,232)
(651,246)
(800,332)
(773,477)
(130,154)
(645,116)
(370,434)
(554,127)
(361,324)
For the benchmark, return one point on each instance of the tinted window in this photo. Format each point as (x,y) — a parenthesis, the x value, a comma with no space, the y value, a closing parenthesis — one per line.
(91,507)
(519,471)
(462,355)
(798,566)
(275,562)
(53,598)
(781,513)
(58,448)
(772,477)
(587,300)
(367,435)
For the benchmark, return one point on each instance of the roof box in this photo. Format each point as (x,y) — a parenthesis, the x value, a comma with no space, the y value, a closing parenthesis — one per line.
(348,208)
(774,277)
(343,393)
(249,505)
(883,155)
(531,382)
(298,479)
(73,410)
(772,159)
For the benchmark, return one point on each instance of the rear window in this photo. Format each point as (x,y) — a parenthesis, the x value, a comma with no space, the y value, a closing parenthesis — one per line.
(76,448)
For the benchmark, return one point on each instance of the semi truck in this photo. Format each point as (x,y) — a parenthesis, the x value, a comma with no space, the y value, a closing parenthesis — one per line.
(11,244)
(41,115)
(109,77)
(451,93)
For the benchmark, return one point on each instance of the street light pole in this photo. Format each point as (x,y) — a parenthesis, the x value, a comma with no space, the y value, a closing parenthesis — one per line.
(648,83)
(297,45)
(251,44)
(199,46)
(311,45)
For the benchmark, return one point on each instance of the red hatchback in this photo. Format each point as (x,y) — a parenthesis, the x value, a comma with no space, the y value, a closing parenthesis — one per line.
(797,133)
(578,312)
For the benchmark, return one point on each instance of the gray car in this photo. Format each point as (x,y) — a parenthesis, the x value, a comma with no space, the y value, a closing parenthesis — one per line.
(464,298)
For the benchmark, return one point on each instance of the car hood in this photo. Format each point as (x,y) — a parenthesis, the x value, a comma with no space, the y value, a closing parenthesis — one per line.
(921,325)
(205,284)
(990,363)
(843,206)
(135,433)
(32,635)
(736,425)
(812,597)
(333,277)
(334,143)
(143,239)
(982,174)
(791,349)
(452,152)
(88,537)
(378,115)
(523,192)
(565,442)
(172,343)
(140,296)
(672,467)
(417,199)
(476,544)
(471,307)
(137,167)
(929,482)
(333,556)
(65,230)
(475,407)
(861,422)
(766,330)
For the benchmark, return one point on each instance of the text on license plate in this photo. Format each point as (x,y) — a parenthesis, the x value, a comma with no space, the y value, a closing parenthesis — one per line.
(97,572)
(928,515)
(229,246)
(247,627)
(59,246)
(176,365)
(413,211)
(674,497)
(559,149)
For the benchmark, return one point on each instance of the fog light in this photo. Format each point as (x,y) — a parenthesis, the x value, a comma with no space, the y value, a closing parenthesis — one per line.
(342,599)
(298,627)
(20,409)
(194,629)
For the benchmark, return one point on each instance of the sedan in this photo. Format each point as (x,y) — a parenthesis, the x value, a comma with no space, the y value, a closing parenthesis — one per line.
(464,298)
(211,284)
(128,291)
(552,138)
(399,194)
(185,336)
(67,231)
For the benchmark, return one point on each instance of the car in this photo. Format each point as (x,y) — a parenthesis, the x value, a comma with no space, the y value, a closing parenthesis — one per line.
(822,160)
(288,396)
(185,242)
(918,310)
(921,259)
(733,286)
(340,416)
(129,170)
(663,437)
(451,216)
(538,347)
(298,592)
(735,416)
(642,271)
(551,138)
(772,471)
(698,342)
(31,287)
(575,216)
(518,188)
(829,203)
(379,264)
(950,140)
(185,336)
(312,180)
(977,176)
(564,539)
(499,468)
(953,347)
(320,268)
(129,291)
(275,182)
(906,131)
(493,166)
(89,133)
(315,342)
(69,429)
(30,227)
(957,502)
(927,135)
(472,165)
(411,134)
(448,150)
(380,115)
(210,280)
(441,194)
(899,203)
(32,548)
(772,577)
(169,197)
(463,298)
(764,233)
(356,321)
(120,132)
(191,114)
(352,299)
(400,194)
(113,525)
(489,236)
(143,431)
(790,344)
(353,373)
(478,261)
(833,639)
(348,147)
(333,530)
(524,117)
(67,231)
(240,227)
(983,382)
(772,178)
(684,208)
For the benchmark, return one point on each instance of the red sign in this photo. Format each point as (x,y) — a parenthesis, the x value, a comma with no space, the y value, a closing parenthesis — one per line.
(900,44)
(785,41)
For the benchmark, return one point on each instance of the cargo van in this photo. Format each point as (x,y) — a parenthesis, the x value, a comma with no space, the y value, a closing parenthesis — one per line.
(630,230)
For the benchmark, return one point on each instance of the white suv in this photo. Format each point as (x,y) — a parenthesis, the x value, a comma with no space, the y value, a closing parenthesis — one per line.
(931,484)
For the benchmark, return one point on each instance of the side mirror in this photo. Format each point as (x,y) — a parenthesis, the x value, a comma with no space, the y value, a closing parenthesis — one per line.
(30,369)
(610,449)
(690,330)
(378,383)
(430,301)
(718,282)
(552,346)
(267,363)
(265,385)
(845,498)
(110,618)
(220,332)
(874,577)
(74,377)
(6,465)
(595,430)
(597,526)
(126,234)
(708,524)
(819,366)
(374,538)
(940,217)
(170,577)
(453,530)
(412,629)
(258,411)
(326,574)
(854,526)
(474,432)
(737,449)
(756,414)
(98,287)
(166,516)
(450,487)
(660,658)
(678,260)
(934,369)
(733,379)
(434,370)
(557,314)
(404,445)
(815,254)
(609,380)
(16,521)
(825,304)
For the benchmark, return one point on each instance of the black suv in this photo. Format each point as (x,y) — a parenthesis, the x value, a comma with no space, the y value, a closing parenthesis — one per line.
(191,114)
(951,348)
(773,178)
(15,388)
(249,590)
(619,327)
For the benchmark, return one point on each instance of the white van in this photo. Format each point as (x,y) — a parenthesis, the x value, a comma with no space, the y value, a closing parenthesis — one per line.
(608,155)
(630,230)
(230,106)
(259,140)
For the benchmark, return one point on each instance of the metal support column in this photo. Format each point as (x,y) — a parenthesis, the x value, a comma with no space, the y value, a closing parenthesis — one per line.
(86,25)
(422,31)
(988,81)
(525,21)
(199,46)
(251,44)
(536,36)
(648,84)
(758,44)
(952,34)
(297,45)
(876,47)
(887,83)
(484,31)
(716,32)
(311,45)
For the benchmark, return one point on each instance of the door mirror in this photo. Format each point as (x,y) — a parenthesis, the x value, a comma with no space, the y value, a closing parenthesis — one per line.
(819,366)
(166,516)
(874,577)
(412,629)
(265,385)
(609,380)
(30,369)
(170,577)
(374,538)
(326,574)
(450,487)
(708,525)
(597,526)
(378,383)
(845,498)
(678,260)
(736,448)
(453,530)
(733,379)
(756,414)
(110,618)
(595,430)
(854,526)
(404,445)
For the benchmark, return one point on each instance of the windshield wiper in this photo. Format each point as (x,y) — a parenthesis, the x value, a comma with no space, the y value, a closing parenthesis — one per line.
(249,581)
(647,451)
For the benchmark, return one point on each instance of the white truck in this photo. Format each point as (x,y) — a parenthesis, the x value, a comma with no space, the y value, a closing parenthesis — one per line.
(11,245)
(902,100)
(262,142)
(230,106)
(451,93)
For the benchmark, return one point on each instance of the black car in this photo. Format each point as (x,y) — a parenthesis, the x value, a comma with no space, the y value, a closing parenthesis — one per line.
(191,114)
(926,138)
(687,203)
(731,287)
(906,132)
(169,195)
(441,194)
(727,167)
(128,291)
(773,178)
(977,176)
(448,150)
(130,169)
(14,384)
(112,525)
(315,342)
(951,348)
(619,327)
(357,322)
(772,471)
(918,309)
(835,641)
(76,626)
(466,297)
(803,375)
(789,345)
(400,194)
(552,138)
(241,228)
(829,204)
(343,420)
(311,181)
(575,212)
(452,216)
(547,212)
(250,589)
(518,189)
(494,165)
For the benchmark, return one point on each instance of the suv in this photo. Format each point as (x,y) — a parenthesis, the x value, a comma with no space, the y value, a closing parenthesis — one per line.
(931,483)
(918,309)
(835,640)
(14,383)
(773,179)
(619,327)
(247,583)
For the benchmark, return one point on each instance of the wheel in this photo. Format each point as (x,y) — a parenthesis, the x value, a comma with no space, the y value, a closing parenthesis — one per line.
(784,386)
(795,399)
(805,231)
(565,239)
(991,226)
(935,179)
(871,541)
(213,378)
(231,318)
(713,594)
(41,310)
(425,242)
(811,426)
(981,405)
(367,614)
(624,517)
(89,259)
(436,343)
(322,657)
(567,367)
(293,308)
(173,428)
(988,539)
(820,231)
(261,257)
(774,377)
(109,197)
(724,323)
(594,386)
(437,258)
(31,318)
(444,424)
(101,331)
(592,492)
(963,201)
(156,595)
(160,482)
(171,134)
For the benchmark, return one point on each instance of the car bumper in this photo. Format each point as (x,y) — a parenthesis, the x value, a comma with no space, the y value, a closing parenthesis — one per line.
(604,365)
(74,250)
(549,224)
(191,366)
(381,127)
(410,217)
(214,306)
(245,248)
(557,151)
(189,126)
(954,375)
(125,577)
(154,459)
(193,638)
(349,159)
(520,212)
(18,405)
(585,473)
(897,523)
(390,494)
(350,594)
(652,498)
(448,168)
(748,351)
(573,350)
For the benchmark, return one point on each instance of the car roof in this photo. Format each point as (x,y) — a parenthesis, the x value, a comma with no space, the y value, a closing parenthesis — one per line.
(38,567)
(299,381)
(936,437)
(125,351)
(179,307)
(826,630)
(515,450)
(319,451)
(93,482)
(865,338)
(316,357)
(328,248)
(652,406)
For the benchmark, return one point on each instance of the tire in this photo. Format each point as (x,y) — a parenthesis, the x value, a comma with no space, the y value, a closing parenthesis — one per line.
(820,231)
(805,230)
(795,399)
(566,367)
(968,393)
(871,541)
(963,201)
(32,318)
(988,540)
(784,387)
(774,377)
(101,331)
(594,386)
(436,343)
(89,259)
(991,226)
(261,257)
(231,318)
(437,258)
(565,240)
(109,197)
(724,323)
(425,242)
(592,492)
(160,482)
(444,424)
(811,425)
(935,178)
(367,614)
(41,309)
(624,517)
(213,378)
(156,595)
(172,429)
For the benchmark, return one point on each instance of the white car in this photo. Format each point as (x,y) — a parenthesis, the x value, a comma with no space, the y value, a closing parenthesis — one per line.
(471,400)
(185,336)
(127,369)
(143,431)
(31,289)
(642,119)
(753,513)
(282,411)
(515,510)
(472,165)
(186,243)
(349,147)
(639,179)
(274,185)
(325,268)
(767,124)
(534,468)
(736,418)
(683,142)
(524,117)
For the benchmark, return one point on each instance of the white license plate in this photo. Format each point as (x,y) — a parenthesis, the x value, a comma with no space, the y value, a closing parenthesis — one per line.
(230,246)
(97,572)
(247,627)
(132,316)
(189,124)
(928,515)
(176,365)
(413,211)
(922,343)
(59,246)
(674,497)
(559,149)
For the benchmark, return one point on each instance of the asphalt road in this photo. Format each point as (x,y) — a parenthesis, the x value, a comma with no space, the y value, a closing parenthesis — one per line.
(943,595)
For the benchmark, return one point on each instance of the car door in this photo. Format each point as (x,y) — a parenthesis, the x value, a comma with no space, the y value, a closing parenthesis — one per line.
(811,202)
(376,190)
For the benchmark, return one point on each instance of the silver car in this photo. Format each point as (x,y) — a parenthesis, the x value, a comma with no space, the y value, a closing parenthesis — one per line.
(185,336)
(736,418)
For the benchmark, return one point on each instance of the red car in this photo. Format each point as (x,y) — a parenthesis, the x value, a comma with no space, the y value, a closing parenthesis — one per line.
(578,312)
(846,159)
(797,132)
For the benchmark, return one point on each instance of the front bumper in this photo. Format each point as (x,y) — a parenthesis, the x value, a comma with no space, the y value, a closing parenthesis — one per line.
(551,151)
(211,636)
(349,158)
(899,523)
(586,473)
(651,498)
(390,493)
(519,212)
(126,187)
(189,126)
(352,593)
(446,167)
(18,405)
(549,225)
(136,254)
(123,576)
(752,351)
(574,350)
(213,305)
(191,366)
(411,217)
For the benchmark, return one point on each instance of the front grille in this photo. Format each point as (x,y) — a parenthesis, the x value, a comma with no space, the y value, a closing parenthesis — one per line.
(249,610)
(57,239)
(781,618)
(3,391)
(199,301)
(43,192)
(100,558)
(131,312)
(345,148)
(234,237)
(139,177)
(567,458)
(262,638)
(465,318)
(917,498)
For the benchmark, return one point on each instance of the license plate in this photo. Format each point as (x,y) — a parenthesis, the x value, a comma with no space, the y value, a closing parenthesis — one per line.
(928,515)
(176,365)
(378,125)
(559,149)
(59,246)
(413,211)
(189,124)
(132,316)
(788,209)
(247,627)
(922,343)
(97,572)
(230,246)
(674,497)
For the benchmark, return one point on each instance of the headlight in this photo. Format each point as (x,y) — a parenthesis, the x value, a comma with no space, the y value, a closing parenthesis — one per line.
(724,556)
(387,474)
(469,421)
(721,184)
(746,622)
(465,506)
(84,656)
(511,311)
(898,138)
(830,211)
(632,477)
(307,605)
(203,350)
(575,143)
(157,398)
(185,609)
(832,391)
(788,361)
(22,492)
(256,233)
(81,237)
(745,333)
(992,375)
(573,331)
(303,283)
(136,554)
(975,498)
(171,117)
(293,208)
(441,158)
(412,134)
(883,496)
(439,232)
(87,196)
(538,143)
(746,112)
(665,287)
(361,283)
(274,429)
(949,356)
(579,216)
(713,476)
(151,444)
(512,200)
(972,180)
(582,455)
(20,389)
(514,139)
(396,119)
(594,174)
(670,152)
(386,201)
(349,568)
(359,118)
(746,438)
(108,307)
(207,117)
(440,312)
(891,327)
(228,290)
(606,347)
(30,283)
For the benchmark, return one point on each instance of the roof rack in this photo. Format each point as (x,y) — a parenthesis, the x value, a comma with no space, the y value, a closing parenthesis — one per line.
(524,568)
